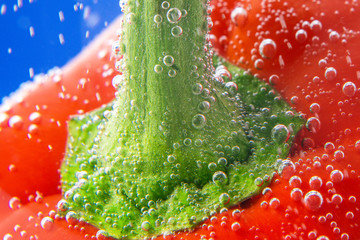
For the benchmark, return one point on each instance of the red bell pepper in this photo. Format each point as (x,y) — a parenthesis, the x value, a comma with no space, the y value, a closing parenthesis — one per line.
(310,56)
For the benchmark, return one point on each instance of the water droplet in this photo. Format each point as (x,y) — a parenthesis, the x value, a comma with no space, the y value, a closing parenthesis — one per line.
(47,223)
(349,89)
(313,200)
(239,16)
(199,121)
(174,15)
(301,36)
(176,31)
(280,133)
(267,48)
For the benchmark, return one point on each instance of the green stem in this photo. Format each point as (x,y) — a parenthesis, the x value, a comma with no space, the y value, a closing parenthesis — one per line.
(178,145)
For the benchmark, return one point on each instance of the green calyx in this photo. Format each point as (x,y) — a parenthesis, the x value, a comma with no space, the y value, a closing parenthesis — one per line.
(187,136)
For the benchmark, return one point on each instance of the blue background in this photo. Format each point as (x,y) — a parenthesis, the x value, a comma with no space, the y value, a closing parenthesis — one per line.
(43,50)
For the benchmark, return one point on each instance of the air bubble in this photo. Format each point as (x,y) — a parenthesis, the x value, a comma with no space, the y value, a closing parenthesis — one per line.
(330,73)
(101,235)
(14,203)
(16,122)
(224,198)
(336,176)
(334,36)
(171,158)
(8,236)
(313,124)
(172,73)
(259,181)
(71,217)
(158,68)
(239,16)
(176,31)
(47,223)
(336,199)
(316,26)
(168,60)
(349,89)
(117,81)
(199,121)
(204,106)
(301,36)
(222,161)
(158,19)
(296,194)
(280,133)
(295,181)
(274,203)
(315,108)
(315,182)
(259,64)
(174,15)
(267,48)
(145,225)
(197,89)
(286,169)
(235,226)
(212,166)
(313,200)
(219,177)
(165,4)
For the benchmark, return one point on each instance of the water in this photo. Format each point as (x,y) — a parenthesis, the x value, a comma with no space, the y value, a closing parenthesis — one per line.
(38,35)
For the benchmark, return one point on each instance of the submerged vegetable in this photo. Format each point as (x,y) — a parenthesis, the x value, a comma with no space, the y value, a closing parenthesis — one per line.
(182,141)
